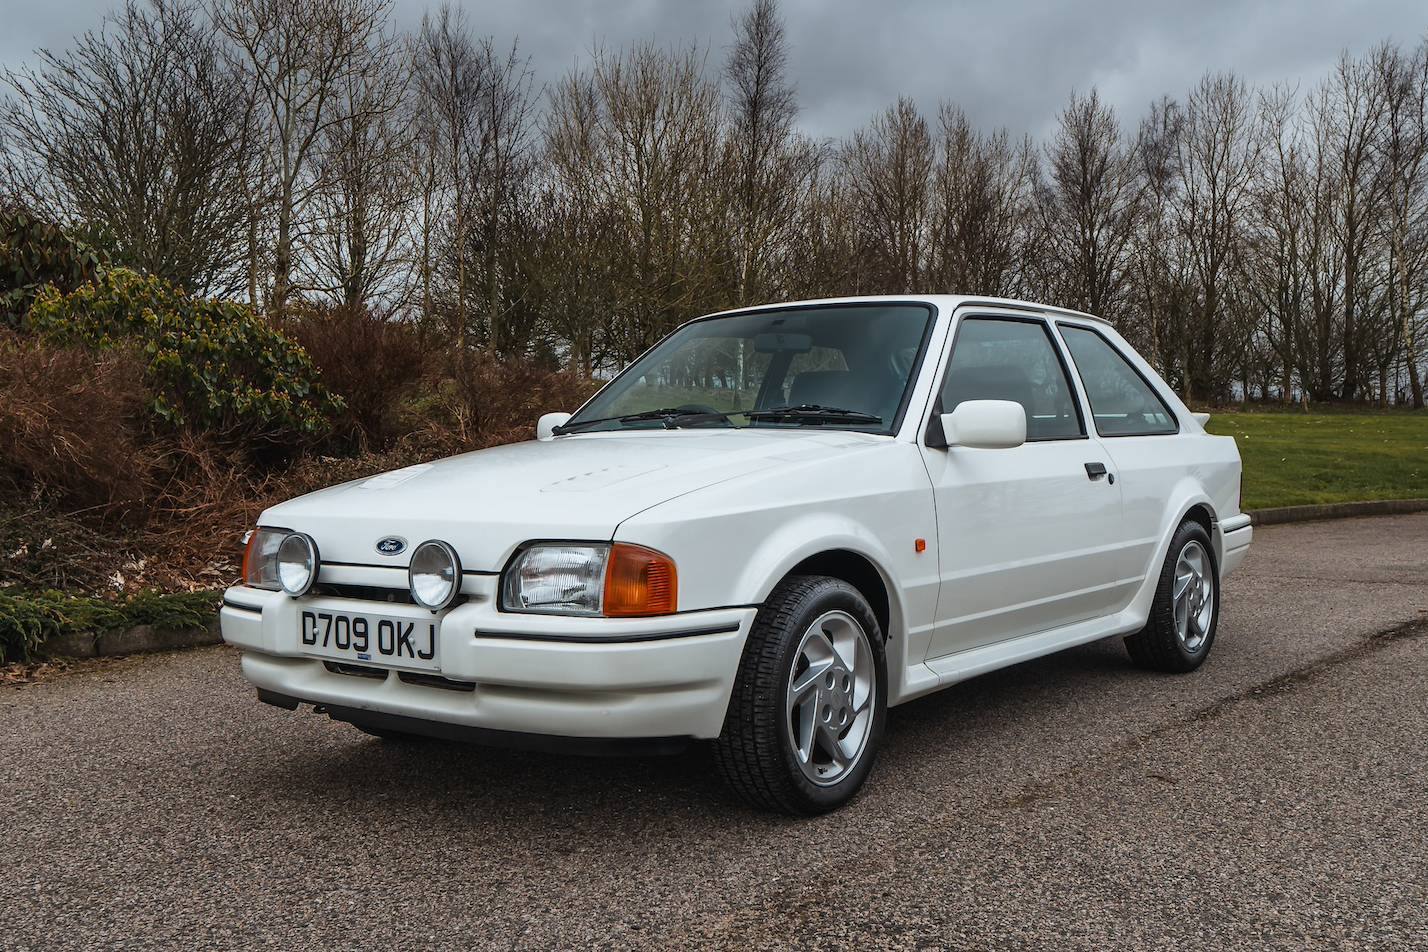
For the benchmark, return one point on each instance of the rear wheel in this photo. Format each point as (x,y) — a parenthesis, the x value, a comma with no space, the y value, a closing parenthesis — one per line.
(807,712)
(1186,609)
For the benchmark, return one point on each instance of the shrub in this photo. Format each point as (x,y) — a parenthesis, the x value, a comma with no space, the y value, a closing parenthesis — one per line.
(486,400)
(41,548)
(71,425)
(210,364)
(373,365)
(35,253)
(26,618)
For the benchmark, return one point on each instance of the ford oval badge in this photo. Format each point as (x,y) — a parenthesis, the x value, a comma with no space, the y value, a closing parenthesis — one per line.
(391,545)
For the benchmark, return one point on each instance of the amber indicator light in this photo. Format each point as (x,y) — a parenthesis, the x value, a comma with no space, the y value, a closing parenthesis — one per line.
(639,581)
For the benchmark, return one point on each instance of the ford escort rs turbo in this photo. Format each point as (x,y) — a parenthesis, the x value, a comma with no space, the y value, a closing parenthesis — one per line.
(768,529)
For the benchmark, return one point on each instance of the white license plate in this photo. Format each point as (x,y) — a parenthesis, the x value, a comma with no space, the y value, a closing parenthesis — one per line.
(369,639)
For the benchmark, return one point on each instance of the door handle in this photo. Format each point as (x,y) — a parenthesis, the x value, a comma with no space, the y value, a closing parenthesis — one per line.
(1095,471)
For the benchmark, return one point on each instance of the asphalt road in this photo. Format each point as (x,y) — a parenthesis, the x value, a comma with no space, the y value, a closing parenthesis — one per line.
(1276,799)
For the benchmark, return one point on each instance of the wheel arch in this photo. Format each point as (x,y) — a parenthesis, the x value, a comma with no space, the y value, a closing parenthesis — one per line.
(1204,515)
(1191,501)
(1200,512)
(858,571)
(1195,506)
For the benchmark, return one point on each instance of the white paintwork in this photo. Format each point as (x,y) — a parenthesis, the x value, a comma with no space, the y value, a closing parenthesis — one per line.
(1022,553)
(1027,542)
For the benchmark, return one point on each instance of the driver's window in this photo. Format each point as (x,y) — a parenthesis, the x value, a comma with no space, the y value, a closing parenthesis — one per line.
(996,359)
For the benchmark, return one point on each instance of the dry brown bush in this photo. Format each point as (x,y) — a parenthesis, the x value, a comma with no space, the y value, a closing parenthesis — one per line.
(72,424)
(212,497)
(485,401)
(93,497)
(371,363)
(42,549)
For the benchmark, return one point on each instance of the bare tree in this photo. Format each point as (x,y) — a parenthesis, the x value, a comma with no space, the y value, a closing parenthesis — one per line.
(638,138)
(1218,159)
(474,106)
(1285,241)
(1089,199)
(362,195)
(503,167)
(1158,270)
(139,134)
(1349,114)
(446,84)
(887,170)
(575,278)
(981,200)
(1403,79)
(773,166)
(295,56)
(824,251)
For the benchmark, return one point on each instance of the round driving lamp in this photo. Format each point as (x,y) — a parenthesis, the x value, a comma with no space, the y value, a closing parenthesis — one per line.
(297,564)
(435,575)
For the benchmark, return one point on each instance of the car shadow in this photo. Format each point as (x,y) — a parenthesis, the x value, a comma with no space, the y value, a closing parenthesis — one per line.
(440,785)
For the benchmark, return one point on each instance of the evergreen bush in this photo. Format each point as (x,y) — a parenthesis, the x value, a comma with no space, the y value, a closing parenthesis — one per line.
(210,364)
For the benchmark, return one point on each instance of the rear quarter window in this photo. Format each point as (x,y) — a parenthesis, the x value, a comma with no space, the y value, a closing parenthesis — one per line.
(1122,402)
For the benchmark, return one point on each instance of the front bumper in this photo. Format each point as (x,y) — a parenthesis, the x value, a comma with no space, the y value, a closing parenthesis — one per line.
(505,676)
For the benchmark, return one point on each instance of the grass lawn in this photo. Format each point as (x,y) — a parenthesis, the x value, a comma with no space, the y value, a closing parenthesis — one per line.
(1295,458)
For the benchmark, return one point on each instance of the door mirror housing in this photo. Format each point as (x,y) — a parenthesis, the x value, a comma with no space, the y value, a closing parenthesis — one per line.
(547,424)
(985,424)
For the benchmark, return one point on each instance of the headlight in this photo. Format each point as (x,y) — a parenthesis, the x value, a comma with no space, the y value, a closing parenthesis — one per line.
(297,564)
(594,579)
(435,575)
(559,579)
(280,559)
(260,558)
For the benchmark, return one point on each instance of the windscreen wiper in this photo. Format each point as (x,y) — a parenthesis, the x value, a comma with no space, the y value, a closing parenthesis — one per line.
(804,413)
(675,417)
(814,413)
(671,416)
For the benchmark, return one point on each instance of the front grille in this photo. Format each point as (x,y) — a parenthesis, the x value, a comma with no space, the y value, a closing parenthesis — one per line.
(372,593)
(356,670)
(409,677)
(436,681)
(365,593)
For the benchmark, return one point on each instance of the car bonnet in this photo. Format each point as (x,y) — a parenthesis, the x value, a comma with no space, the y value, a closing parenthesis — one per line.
(489,502)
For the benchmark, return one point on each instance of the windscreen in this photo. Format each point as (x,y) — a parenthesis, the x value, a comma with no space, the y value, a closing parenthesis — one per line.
(845,366)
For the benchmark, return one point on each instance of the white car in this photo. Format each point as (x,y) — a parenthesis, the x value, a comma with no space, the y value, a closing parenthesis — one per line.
(772,526)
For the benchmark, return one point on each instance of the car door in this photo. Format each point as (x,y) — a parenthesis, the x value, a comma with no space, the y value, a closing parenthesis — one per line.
(1140,433)
(1029,537)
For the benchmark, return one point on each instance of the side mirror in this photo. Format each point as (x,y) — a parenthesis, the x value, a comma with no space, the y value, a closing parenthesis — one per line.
(986,424)
(547,423)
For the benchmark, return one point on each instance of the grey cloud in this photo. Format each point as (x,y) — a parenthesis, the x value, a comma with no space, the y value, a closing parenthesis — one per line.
(1009,64)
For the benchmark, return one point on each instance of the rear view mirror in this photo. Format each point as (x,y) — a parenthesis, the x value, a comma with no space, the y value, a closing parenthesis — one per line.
(782,343)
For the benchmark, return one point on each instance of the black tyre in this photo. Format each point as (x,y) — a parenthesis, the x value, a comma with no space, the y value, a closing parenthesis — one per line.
(1186,610)
(807,712)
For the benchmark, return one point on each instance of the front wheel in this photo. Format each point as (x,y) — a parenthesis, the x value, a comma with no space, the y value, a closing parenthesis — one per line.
(1186,609)
(807,712)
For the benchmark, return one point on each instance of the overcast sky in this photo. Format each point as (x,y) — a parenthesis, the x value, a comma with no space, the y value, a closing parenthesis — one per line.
(1007,63)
